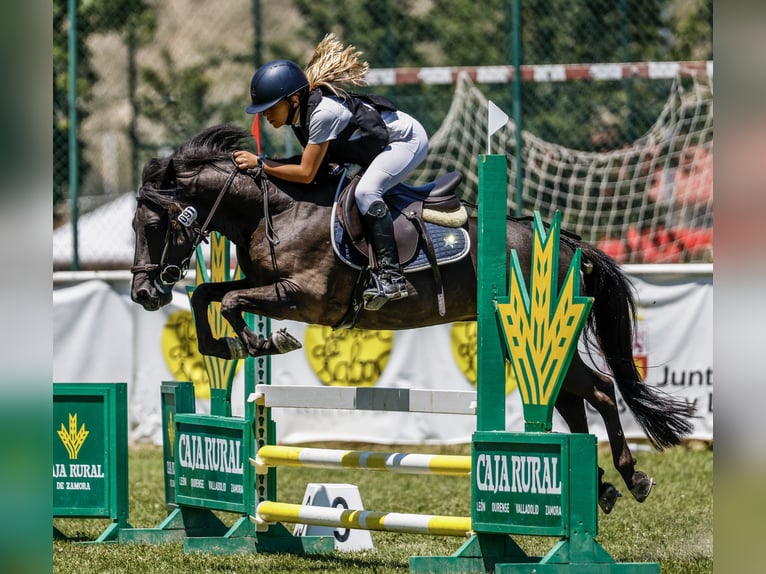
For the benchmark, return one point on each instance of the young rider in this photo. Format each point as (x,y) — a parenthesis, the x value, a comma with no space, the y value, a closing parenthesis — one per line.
(334,126)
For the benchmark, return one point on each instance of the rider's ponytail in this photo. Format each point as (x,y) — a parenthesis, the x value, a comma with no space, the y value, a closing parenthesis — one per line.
(334,66)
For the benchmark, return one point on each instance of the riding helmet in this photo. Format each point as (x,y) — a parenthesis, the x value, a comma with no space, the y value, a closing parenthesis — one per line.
(274,81)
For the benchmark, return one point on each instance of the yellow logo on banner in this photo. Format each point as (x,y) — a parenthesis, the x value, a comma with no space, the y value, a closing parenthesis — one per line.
(349,358)
(220,371)
(464,341)
(73,438)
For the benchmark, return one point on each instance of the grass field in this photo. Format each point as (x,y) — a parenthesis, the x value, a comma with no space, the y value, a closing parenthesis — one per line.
(673,527)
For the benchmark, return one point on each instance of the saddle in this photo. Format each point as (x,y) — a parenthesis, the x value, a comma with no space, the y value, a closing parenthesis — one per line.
(411,207)
(407,204)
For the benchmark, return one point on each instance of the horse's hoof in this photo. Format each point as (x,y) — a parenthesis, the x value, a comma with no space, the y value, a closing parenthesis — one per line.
(284,341)
(642,486)
(608,497)
(236,349)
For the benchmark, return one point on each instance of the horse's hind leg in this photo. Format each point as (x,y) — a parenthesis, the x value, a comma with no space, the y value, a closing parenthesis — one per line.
(598,390)
(572,409)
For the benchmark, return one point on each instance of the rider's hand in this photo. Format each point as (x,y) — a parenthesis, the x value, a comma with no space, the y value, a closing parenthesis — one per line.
(246,160)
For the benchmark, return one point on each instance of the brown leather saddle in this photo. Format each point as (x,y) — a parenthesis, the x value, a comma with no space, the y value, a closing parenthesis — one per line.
(412,235)
(406,204)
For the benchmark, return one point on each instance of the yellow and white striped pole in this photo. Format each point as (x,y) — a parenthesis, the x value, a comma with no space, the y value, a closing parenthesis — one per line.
(269,512)
(407,463)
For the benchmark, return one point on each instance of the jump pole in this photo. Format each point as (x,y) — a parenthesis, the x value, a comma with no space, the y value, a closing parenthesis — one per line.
(397,462)
(428,524)
(534,482)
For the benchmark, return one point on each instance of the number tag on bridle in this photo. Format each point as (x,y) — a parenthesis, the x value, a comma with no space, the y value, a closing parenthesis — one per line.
(188,216)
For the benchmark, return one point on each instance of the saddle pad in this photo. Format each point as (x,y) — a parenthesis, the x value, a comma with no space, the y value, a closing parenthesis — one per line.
(450,244)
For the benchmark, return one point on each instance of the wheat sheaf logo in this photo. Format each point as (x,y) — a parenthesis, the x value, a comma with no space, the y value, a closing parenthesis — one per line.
(541,324)
(73,438)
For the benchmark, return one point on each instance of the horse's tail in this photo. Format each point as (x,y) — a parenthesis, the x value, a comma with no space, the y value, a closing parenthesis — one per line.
(664,419)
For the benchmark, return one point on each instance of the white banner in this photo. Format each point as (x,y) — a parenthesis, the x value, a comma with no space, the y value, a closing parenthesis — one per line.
(101,336)
(673,346)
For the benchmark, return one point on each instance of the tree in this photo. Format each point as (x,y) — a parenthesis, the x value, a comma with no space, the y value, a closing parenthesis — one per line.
(468,33)
(132,19)
(176,99)
(60,118)
(389,33)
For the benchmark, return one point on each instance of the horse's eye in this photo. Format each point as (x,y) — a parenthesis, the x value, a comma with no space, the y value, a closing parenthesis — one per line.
(152,226)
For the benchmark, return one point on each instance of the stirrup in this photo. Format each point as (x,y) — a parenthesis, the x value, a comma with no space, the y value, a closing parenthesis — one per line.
(380,292)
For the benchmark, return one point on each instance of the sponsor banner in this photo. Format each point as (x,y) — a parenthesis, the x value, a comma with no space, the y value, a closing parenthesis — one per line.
(90,450)
(99,334)
(533,483)
(523,486)
(79,466)
(212,464)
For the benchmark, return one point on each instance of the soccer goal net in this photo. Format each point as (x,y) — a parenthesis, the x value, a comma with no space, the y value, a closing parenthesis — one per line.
(650,202)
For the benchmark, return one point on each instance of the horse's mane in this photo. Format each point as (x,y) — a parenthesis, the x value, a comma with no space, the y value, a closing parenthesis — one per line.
(212,144)
(209,146)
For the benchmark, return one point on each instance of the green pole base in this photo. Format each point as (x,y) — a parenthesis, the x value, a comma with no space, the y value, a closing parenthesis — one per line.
(479,554)
(580,568)
(110,534)
(499,553)
(181,523)
(201,531)
(243,539)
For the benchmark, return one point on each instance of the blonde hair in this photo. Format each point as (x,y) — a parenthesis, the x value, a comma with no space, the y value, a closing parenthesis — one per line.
(334,66)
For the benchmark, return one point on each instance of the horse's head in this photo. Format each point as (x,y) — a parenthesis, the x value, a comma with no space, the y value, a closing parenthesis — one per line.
(164,239)
(200,172)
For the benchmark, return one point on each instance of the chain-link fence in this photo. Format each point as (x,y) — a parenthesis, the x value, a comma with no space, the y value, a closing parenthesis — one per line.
(152,73)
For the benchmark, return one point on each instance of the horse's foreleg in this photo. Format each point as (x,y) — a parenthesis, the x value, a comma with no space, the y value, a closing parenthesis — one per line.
(234,304)
(205,294)
(598,390)
(572,409)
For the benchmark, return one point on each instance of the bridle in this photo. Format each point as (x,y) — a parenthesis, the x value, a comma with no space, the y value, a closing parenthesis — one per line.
(170,273)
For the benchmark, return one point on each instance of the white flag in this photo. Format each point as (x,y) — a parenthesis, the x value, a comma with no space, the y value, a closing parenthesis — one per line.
(496,120)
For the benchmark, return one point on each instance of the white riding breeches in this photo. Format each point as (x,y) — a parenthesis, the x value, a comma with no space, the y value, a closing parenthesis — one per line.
(406,150)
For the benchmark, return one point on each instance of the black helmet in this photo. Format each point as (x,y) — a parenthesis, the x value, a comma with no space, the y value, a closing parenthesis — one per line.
(274,81)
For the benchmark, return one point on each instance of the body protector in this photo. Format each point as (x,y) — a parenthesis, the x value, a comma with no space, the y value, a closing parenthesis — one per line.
(365,118)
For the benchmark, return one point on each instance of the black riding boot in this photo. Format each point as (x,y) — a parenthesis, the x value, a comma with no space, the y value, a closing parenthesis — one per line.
(388,283)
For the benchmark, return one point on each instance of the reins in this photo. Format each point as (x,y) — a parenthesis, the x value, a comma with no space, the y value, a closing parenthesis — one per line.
(203,233)
(271,235)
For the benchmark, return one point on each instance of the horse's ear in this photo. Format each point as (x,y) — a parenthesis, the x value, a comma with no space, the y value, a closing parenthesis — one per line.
(151,169)
(168,176)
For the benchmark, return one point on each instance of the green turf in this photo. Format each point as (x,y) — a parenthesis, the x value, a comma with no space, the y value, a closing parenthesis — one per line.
(673,527)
